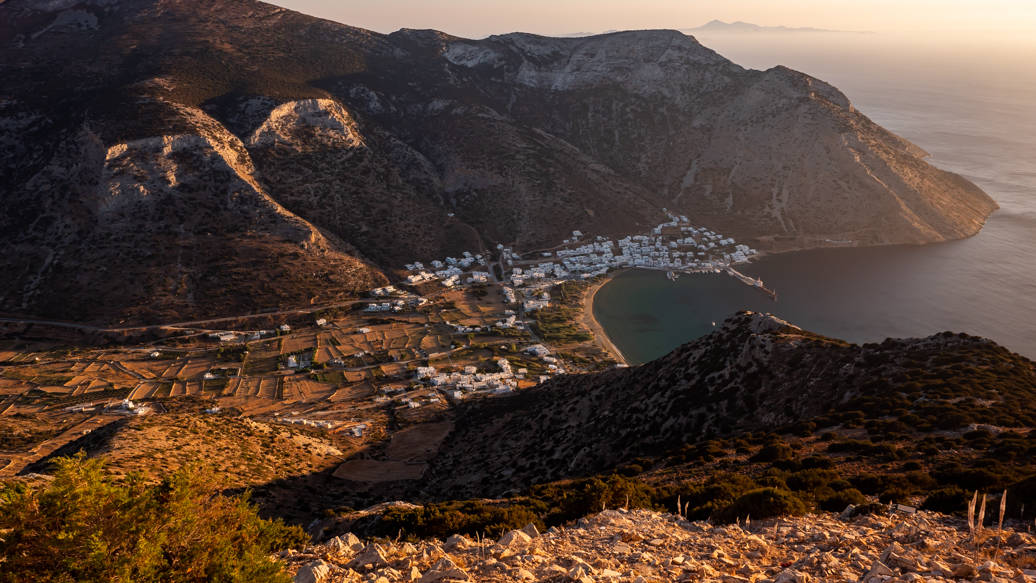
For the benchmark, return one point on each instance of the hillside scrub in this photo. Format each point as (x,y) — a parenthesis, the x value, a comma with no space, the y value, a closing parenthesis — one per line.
(762,503)
(86,525)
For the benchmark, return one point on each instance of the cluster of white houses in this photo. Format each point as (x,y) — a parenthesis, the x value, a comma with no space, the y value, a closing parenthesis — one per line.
(458,384)
(671,246)
(674,245)
(470,380)
(466,260)
(396,305)
(450,271)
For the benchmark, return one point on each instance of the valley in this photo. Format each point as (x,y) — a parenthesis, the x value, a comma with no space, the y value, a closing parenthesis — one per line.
(358,373)
(471,326)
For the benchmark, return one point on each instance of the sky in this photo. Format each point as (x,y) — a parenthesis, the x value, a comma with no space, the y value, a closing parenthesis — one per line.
(479,18)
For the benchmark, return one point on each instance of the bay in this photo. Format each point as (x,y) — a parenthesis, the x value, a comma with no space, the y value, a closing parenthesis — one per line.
(976,115)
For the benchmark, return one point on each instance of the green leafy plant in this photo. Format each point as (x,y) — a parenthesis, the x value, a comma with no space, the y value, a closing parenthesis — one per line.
(86,525)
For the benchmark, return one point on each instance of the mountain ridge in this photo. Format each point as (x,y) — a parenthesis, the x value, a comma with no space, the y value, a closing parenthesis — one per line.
(441,145)
(755,373)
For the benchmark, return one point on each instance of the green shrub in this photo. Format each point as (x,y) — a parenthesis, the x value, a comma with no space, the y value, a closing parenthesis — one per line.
(762,503)
(86,526)
(989,478)
(894,494)
(467,517)
(837,501)
(575,499)
(703,500)
(1021,499)
(811,480)
(869,508)
(773,452)
(817,462)
(948,500)
(773,481)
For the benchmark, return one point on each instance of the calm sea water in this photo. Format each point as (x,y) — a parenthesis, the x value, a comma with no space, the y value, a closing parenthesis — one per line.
(976,114)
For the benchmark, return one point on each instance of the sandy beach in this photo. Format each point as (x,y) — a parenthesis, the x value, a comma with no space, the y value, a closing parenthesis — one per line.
(588,320)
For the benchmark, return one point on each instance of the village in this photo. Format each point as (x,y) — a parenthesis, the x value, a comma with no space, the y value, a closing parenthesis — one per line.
(467,327)
(674,246)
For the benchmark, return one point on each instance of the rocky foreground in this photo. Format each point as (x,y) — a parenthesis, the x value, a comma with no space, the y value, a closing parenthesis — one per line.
(644,546)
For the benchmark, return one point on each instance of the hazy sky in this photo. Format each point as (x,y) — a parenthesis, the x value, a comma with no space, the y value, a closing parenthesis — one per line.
(478,18)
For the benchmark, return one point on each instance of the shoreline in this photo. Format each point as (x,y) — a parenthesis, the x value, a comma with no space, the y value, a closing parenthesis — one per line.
(600,336)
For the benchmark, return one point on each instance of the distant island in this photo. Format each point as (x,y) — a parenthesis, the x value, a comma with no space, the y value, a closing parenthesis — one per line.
(748,27)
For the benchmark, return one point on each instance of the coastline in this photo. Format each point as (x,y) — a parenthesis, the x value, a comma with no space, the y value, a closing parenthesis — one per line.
(588,319)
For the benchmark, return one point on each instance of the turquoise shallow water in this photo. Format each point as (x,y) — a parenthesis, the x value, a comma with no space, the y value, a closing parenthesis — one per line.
(980,123)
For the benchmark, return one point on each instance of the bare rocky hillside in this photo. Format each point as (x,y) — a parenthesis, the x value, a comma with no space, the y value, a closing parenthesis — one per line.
(178,159)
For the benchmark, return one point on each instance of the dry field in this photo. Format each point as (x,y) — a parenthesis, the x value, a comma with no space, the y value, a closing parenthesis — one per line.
(54,397)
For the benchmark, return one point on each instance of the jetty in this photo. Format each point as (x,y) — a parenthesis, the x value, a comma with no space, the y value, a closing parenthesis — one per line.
(751,282)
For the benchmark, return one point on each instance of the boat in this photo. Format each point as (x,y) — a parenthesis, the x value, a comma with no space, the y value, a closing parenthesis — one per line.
(672,275)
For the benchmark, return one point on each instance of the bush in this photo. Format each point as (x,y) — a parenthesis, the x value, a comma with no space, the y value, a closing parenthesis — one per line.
(837,501)
(467,517)
(974,478)
(947,500)
(894,494)
(773,452)
(1022,495)
(817,462)
(704,500)
(86,526)
(762,503)
(868,508)
(811,480)
(575,499)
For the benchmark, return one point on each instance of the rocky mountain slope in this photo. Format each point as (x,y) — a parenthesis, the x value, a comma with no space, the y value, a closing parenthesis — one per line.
(755,373)
(642,546)
(186,158)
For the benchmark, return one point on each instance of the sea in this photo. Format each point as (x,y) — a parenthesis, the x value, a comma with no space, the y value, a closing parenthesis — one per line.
(972,106)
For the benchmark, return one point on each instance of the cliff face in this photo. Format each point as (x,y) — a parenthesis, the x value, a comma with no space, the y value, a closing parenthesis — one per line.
(774,155)
(232,155)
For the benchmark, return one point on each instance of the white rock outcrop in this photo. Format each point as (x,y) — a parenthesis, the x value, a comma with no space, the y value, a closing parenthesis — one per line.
(639,545)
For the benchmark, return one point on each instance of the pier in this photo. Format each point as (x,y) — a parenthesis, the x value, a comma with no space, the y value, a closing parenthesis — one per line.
(673,274)
(751,282)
